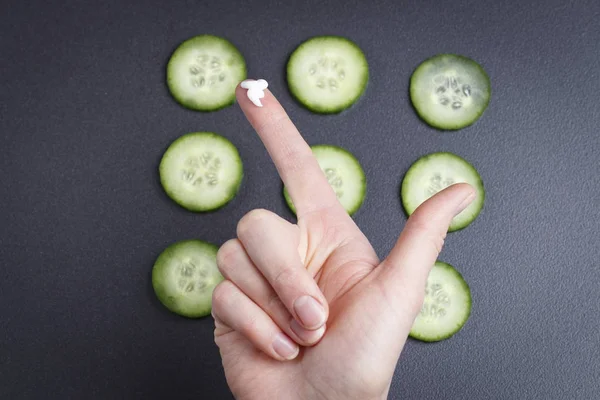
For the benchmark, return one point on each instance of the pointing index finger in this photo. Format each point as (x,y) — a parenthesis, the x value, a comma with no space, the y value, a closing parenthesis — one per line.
(292,156)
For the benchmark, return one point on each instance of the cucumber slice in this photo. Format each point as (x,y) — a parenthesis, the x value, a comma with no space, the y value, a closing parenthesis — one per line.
(327,74)
(449,91)
(446,307)
(435,172)
(201,171)
(204,71)
(184,277)
(343,172)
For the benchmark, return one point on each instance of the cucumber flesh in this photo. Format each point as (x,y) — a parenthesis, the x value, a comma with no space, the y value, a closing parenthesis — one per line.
(327,74)
(433,173)
(450,91)
(184,277)
(446,307)
(204,71)
(201,171)
(343,172)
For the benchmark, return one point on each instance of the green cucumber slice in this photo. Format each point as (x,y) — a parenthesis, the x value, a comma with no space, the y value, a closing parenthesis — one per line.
(201,171)
(435,172)
(327,74)
(446,307)
(184,277)
(343,172)
(204,71)
(450,91)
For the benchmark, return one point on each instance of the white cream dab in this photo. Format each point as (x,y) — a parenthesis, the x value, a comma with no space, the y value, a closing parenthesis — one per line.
(255,90)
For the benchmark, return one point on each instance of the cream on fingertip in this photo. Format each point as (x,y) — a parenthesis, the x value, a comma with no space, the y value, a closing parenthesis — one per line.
(256,90)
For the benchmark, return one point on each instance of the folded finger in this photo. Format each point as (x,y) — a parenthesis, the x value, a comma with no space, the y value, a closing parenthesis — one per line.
(274,252)
(234,309)
(236,266)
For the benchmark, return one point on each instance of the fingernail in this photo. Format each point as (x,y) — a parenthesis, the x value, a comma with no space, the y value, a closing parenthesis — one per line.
(465,203)
(310,312)
(285,347)
(306,335)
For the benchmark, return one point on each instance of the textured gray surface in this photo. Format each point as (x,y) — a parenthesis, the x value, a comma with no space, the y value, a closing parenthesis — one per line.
(85,116)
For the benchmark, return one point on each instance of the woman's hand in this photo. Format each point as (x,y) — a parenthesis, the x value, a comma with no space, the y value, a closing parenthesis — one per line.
(307,310)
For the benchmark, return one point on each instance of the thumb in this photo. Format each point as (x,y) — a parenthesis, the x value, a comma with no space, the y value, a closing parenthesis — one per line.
(379,317)
(403,274)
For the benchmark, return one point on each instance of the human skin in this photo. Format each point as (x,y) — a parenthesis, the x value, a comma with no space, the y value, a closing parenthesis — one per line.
(308,310)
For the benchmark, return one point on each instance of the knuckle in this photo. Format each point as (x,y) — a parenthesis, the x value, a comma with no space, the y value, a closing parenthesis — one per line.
(249,221)
(419,227)
(299,162)
(249,325)
(284,277)
(228,255)
(294,160)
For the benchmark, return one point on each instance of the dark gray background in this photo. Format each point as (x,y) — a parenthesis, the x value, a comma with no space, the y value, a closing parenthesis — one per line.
(85,116)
